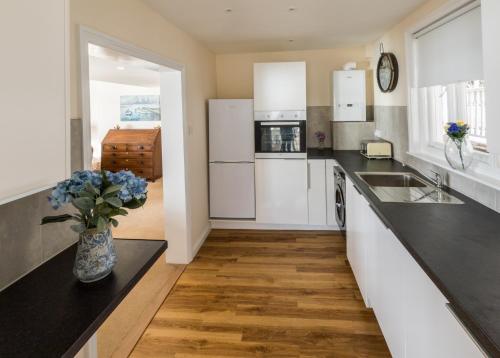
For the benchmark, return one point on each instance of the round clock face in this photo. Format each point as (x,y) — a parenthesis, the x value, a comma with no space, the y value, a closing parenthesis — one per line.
(387,72)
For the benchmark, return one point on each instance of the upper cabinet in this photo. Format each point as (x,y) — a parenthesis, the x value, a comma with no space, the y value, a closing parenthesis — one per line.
(280,86)
(33,96)
(349,96)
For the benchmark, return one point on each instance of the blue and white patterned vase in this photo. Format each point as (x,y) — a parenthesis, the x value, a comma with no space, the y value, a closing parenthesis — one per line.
(95,255)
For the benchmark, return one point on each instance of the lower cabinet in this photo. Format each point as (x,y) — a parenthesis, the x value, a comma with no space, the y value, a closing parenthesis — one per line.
(414,316)
(316,187)
(281,191)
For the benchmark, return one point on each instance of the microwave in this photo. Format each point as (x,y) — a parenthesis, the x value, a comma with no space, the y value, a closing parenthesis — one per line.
(274,137)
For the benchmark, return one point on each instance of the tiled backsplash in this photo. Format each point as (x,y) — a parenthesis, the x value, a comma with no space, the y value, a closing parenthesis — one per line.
(339,135)
(24,243)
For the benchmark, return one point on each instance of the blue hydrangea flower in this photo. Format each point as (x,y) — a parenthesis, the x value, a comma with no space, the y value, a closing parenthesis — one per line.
(453,128)
(132,187)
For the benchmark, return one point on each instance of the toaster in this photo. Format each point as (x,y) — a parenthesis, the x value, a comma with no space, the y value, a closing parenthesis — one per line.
(376,149)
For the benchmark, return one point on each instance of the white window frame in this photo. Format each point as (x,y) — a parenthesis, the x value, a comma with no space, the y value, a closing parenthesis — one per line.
(485,167)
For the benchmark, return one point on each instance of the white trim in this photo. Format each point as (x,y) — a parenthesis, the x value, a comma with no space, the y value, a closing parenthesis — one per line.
(252,225)
(90,36)
(67,70)
(201,240)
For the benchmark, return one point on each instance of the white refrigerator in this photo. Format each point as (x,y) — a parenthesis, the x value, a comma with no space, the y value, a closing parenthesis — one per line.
(231,159)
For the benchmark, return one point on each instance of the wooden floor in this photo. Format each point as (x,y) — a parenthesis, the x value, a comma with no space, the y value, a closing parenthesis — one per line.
(265,294)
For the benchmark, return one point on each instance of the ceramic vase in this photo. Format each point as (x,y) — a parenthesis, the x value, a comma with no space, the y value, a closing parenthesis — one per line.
(95,255)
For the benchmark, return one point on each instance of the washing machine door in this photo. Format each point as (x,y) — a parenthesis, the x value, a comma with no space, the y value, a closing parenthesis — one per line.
(340,206)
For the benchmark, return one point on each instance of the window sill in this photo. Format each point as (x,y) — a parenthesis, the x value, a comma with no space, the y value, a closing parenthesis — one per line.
(479,173)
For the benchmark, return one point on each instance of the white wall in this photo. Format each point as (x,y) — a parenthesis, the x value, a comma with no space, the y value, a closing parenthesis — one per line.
(105,110)
(134,22)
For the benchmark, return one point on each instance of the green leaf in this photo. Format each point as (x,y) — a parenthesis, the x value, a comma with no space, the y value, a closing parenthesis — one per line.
(85,204)
(134,203)
(112,189)
(86,194)
(114,201)
(79,228)
(99,201)
(91,189)
(114,222)
(102,224)
(56,219)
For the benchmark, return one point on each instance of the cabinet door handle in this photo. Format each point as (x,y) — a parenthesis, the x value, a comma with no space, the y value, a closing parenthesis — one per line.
(308,175)
(355,187)
(453,313)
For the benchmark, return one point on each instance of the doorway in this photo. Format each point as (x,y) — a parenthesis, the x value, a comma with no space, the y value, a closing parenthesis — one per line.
(166,215)
(173,123)
(125,131)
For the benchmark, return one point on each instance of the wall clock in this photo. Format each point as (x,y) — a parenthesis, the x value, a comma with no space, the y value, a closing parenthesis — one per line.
(387,71)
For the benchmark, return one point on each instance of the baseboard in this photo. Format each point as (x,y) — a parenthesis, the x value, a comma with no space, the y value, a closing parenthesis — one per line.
(252,225)
(201,239)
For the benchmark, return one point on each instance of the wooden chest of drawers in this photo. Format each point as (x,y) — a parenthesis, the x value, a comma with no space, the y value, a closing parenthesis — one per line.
(137,150)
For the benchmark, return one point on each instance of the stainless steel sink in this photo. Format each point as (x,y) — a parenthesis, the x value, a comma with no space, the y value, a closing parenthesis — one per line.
(405,187)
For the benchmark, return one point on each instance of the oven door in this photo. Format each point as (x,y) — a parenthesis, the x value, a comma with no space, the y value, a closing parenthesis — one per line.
(280,137)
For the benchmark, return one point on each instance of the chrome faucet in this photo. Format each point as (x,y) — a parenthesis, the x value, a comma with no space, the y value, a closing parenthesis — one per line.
(438,180)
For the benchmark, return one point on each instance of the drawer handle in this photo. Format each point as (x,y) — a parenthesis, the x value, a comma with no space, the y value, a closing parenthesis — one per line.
(141,147)
(114,161)
(114,147)
(142,154)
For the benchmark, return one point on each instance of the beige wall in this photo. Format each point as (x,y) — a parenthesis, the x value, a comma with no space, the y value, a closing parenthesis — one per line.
(235,71)
(394,41)
(134,22)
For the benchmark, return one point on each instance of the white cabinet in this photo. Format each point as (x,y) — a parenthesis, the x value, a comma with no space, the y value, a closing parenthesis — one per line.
(281,191)
(349,96)
(388,295)
(330,192)
(358,226)
(33,96)
(316,197)
(279,86)
(432,330)
(412,313)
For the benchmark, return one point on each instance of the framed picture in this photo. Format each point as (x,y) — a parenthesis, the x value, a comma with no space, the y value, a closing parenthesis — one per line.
(140,108)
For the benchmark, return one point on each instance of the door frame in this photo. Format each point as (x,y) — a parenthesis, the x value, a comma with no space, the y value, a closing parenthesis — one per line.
(178,231)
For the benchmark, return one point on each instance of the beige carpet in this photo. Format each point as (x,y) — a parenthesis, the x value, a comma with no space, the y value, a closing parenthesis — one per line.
(146,222)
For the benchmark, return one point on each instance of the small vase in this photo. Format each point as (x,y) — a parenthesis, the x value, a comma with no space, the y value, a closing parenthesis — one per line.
(95,255)
(459,153)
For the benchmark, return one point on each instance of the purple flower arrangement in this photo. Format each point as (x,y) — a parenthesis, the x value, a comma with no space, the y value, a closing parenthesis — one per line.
(320,136)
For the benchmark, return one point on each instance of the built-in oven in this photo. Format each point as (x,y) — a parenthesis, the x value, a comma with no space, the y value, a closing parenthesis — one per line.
(340,204)
(275,137)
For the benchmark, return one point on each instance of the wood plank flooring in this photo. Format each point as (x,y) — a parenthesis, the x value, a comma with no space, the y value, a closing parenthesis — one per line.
(265,294)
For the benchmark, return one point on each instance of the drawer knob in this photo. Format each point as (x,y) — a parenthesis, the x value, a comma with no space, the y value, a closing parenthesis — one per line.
(141,147)
(114,147)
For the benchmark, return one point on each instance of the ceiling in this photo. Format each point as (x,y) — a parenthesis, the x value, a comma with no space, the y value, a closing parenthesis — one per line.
(110,66)
(227,26)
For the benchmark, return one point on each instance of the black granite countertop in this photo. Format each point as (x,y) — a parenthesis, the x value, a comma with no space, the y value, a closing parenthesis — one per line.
(458,246)
(49,313)
(316,153)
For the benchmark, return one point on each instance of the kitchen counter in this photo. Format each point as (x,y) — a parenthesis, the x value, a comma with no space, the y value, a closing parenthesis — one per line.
(316,153)
(49,313)
(458,246)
